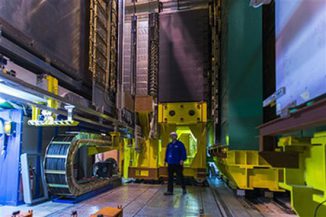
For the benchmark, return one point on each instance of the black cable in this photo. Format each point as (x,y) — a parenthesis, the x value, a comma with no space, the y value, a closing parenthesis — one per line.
(319,205)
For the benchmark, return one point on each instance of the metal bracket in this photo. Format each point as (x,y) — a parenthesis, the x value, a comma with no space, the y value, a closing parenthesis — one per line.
(272,99)
(69,109)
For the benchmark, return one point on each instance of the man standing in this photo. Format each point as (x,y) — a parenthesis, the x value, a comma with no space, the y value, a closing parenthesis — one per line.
(175,156)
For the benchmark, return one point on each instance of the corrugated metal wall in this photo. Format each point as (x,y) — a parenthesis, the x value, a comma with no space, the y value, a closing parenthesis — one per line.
(126,67)
(138,80)
(142,56)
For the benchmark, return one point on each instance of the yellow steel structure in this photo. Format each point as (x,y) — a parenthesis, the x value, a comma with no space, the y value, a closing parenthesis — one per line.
(189,121)
(126,156)
(143,163)
(119,142)
(307,184)
(144,157)
(141,154)
(52,87)
(247,170)
(115,141)
(182,113)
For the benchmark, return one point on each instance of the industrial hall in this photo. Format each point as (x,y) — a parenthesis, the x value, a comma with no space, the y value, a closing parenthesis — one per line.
(162,108)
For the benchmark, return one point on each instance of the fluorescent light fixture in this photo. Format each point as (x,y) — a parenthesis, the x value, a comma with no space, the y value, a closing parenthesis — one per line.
(11,91)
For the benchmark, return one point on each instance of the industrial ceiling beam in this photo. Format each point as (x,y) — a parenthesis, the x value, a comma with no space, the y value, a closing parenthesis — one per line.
(30,61)
(79,109)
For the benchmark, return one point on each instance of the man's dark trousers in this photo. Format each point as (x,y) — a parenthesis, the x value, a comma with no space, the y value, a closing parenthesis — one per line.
(178,169)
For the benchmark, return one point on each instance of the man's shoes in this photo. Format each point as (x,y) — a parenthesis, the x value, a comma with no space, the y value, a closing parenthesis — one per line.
(168,193)
(184,191)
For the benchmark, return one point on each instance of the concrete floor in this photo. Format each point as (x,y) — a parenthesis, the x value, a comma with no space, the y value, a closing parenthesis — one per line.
(140,200)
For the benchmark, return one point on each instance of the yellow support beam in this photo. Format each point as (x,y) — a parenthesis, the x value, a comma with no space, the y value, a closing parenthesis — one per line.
(35,113)
(53,87)
(50,119)
(127,156)
(247,170)
(307,184)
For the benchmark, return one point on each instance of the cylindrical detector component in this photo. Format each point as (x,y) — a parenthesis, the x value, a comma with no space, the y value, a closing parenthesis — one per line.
(59,163)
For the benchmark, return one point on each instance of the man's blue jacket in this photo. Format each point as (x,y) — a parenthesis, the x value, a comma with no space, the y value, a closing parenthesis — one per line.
(175,152)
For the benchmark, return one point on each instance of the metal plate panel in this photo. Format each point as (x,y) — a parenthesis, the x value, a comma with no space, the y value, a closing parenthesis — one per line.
(183,56)
(54,30)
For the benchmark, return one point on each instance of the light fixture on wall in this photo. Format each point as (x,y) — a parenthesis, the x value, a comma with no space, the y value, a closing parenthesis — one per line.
(258,3)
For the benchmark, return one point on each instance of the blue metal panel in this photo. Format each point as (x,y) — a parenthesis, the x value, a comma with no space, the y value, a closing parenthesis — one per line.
(9,160)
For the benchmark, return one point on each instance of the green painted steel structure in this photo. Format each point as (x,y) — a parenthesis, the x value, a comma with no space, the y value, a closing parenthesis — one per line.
(241,75)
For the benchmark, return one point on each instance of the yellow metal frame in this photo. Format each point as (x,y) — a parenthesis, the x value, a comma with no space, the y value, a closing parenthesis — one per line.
(307,184)
(115,142)
(247,170)
(190,115)
(151,154)
(143,160)
(186,136)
